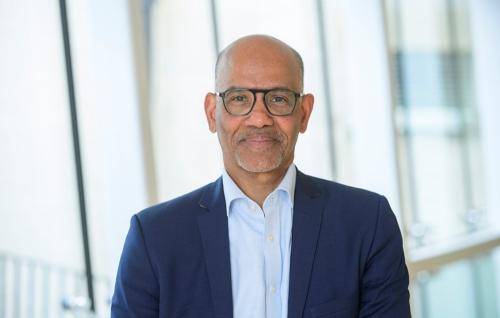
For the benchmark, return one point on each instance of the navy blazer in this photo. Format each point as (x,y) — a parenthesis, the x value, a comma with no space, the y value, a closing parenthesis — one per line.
(346,257)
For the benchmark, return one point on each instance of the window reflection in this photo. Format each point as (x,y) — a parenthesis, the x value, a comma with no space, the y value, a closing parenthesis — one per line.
(435,118)
(464,289)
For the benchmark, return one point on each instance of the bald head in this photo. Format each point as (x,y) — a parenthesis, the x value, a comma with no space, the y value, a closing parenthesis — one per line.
(259,51)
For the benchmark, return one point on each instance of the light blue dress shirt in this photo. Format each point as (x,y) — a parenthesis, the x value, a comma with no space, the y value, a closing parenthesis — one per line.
(260,245)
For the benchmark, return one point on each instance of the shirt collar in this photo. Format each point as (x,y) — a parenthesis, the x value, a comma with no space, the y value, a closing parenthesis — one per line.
(233,192)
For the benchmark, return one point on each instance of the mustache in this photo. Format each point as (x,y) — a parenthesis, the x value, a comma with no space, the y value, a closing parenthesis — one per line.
(259,133)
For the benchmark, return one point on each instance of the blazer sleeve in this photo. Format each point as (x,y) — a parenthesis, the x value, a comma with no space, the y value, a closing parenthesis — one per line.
(136,289)
(385,280)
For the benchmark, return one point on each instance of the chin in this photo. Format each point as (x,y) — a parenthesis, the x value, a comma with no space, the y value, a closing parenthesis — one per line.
(259,166)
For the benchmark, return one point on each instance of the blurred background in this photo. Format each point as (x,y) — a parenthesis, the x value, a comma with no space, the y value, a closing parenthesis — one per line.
(101,115)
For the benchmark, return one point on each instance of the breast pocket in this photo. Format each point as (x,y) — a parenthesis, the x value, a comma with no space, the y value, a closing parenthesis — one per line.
(336,308)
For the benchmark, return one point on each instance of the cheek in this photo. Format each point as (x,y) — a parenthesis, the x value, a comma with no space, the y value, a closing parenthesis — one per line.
(227,129)
(290,128)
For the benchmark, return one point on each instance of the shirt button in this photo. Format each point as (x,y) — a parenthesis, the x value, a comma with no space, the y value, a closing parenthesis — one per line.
(272,289)
(270,238)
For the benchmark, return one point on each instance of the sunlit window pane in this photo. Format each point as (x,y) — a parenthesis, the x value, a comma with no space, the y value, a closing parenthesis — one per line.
(465,289)
(436,121)
(41,253)
(182,56)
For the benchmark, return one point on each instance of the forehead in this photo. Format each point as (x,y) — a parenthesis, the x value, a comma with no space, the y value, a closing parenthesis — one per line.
(259,68)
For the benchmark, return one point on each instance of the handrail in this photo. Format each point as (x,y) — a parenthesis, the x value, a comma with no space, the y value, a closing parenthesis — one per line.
(435,256)
(43,289)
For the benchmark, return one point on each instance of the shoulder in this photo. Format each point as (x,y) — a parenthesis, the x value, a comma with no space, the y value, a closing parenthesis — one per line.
(341,193)
(350,191)
(352,214)
(176,212)
(350,205)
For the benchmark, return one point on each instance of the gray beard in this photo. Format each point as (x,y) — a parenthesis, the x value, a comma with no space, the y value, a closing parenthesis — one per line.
(259,165)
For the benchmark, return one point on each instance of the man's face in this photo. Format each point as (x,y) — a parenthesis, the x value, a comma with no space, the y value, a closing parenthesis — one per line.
(258,142)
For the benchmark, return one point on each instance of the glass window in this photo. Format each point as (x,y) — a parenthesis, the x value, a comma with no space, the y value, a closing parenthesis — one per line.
(41,253)
(435,117)
(105,80)
(182,54)
(465,289)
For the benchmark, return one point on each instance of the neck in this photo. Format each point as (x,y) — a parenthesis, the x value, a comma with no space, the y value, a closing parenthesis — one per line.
(257,185)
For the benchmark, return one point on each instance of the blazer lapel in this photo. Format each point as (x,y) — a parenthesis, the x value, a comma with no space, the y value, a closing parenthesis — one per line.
(307,214)
(214,234)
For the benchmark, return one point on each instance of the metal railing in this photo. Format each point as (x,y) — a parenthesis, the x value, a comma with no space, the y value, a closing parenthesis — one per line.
(34,288)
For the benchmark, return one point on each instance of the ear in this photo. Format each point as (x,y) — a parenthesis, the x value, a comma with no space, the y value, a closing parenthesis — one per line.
(210,106)
(306,110)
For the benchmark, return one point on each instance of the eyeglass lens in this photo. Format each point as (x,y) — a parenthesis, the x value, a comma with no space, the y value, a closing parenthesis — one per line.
(278,101)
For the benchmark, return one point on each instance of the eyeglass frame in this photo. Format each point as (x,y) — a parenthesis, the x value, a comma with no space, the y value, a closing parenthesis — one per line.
(254,92)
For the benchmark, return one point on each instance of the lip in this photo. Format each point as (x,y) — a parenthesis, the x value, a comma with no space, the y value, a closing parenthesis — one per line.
(259,139)
(258,142)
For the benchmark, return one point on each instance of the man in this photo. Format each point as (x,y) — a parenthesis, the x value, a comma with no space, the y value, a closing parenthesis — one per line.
(264,240)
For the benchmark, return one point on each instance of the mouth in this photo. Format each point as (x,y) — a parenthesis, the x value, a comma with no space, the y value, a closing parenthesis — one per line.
(259,142)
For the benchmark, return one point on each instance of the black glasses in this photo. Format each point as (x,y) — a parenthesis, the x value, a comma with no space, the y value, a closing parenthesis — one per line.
(278,101)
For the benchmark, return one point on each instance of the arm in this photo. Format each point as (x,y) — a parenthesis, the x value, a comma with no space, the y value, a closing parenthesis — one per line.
(136,289)
(385,278)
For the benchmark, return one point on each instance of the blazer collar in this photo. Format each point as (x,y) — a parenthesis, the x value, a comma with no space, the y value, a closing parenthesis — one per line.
(215,240)
(213,226)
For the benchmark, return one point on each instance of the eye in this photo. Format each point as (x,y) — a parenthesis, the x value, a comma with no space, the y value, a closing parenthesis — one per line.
(238,98)
(277,99)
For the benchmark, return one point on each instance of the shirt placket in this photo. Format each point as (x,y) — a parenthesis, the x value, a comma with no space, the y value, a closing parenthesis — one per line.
(272,257)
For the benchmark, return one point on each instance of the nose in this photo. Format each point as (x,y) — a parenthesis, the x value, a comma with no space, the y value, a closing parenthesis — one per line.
(259,116)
